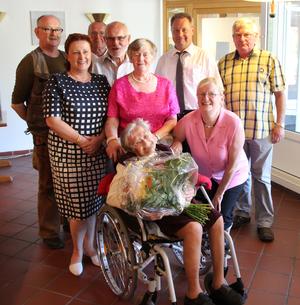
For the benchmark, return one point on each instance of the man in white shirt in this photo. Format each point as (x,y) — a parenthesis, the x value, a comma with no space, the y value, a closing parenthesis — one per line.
(115,63)
(196,63)
(96,32)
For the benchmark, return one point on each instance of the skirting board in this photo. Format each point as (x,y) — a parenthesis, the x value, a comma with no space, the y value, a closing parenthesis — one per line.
(286,180)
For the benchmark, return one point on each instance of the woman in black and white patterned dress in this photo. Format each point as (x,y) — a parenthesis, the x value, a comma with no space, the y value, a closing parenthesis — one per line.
(75,105)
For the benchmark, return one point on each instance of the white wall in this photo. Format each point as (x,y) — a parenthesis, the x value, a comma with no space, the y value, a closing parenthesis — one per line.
(143,18)
(286,170)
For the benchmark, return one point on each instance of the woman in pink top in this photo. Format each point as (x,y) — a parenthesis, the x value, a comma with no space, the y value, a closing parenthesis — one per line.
(216,138)
(140,94)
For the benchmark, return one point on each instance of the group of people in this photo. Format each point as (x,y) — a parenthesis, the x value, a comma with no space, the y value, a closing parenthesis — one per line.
(76,104)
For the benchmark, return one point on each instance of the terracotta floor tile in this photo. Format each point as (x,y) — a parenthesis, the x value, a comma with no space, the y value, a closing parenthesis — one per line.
(48,298)
(34,253)
(12,246)
(256,297)
(295,287)
(94,294)
(247,260)
(293,301)
(78,302)
(297,267)
(9,215)
(287,223)
(270,272)
(270,282)
(285,243)
(39,275)
(289,211)
(16,293)
(29,234)
(249,243)
(70,285)
(12,269)
(57,258)
(11,229)
(27,219)
(278,264)
(2,238)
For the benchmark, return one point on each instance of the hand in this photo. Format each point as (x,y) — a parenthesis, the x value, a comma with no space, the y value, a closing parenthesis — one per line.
(176,147)
(277,134)
(114,149)
(90,144)
(189,193)
(217,200)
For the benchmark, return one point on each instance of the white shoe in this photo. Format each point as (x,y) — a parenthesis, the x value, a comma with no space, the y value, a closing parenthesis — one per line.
(95,260)
(76,268)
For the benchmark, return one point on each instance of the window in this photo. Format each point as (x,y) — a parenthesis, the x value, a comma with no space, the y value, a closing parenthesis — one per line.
(284,41)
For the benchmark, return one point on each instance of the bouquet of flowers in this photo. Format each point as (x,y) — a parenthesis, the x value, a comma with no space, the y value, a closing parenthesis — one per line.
(161,185)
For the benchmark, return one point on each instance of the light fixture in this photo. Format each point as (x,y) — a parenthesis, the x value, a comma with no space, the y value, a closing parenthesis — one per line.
(2,14)
(271,1)
(99,17)
(272,5)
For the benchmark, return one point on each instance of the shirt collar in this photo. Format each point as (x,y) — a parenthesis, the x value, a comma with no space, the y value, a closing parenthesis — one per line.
(190,50)
(253,53)
(107,57)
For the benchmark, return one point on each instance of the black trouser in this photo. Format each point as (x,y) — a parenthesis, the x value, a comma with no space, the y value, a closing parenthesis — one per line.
(228,202)
(185,145)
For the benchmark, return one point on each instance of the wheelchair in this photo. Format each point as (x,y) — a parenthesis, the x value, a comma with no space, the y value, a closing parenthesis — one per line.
(129,247)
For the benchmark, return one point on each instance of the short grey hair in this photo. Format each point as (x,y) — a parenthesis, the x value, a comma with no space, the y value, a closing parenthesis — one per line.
(243,22)
(139,43)
(210,80)
(129,129)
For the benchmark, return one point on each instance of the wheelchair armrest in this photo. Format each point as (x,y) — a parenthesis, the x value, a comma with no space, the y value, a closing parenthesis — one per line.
(104,184)
(204,181)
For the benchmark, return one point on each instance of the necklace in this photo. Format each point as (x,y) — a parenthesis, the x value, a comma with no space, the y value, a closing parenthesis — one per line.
(209,126)
(141,81)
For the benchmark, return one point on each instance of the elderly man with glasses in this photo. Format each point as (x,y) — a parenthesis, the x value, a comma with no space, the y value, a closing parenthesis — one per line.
(96,32)
(252,78)
(116,62)
(32,74)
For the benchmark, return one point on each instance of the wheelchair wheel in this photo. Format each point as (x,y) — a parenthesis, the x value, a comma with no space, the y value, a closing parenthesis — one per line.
(117,256)
(205,260)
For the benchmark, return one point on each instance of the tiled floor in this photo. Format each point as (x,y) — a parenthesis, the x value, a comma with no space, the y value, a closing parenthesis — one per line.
(31,274)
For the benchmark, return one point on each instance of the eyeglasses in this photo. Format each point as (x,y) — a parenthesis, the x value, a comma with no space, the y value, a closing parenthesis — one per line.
(51,30)
(117,38)
(209,94)
(245,35)
(101,34)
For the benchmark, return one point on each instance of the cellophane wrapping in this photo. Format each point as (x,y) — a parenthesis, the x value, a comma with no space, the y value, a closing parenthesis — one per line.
(158,186)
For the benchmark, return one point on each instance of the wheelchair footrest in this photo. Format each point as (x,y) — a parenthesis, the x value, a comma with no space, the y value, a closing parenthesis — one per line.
(149,298)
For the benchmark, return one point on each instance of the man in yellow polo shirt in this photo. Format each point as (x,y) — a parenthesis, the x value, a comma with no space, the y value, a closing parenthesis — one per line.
(251,77)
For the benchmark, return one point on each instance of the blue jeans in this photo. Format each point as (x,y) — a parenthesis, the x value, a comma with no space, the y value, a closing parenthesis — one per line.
(259,152)
(228,202)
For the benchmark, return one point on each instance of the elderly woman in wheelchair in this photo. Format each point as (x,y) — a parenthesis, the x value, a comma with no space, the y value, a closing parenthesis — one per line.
(138,140)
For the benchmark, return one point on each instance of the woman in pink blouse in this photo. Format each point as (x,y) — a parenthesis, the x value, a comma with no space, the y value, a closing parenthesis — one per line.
(216,138)
(140,94)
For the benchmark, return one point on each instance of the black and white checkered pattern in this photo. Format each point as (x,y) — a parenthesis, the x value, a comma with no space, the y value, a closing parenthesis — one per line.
(76,175)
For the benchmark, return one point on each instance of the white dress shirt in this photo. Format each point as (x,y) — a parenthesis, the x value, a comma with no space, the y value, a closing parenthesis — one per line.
(107,67)
(197,65)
